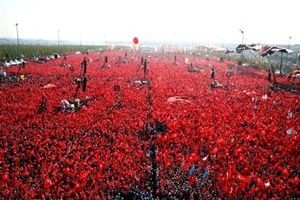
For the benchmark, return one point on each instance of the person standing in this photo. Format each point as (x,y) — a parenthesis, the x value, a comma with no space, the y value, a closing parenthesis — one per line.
(84,66)
(145,68)
(213,73)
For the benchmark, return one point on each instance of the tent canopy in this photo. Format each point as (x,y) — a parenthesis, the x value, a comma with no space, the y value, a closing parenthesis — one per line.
(269,50)
(243,47)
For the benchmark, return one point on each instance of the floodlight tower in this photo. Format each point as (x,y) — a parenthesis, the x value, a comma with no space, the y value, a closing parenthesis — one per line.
(242,32)
(106,41)
(290,37)
(58,40)
(80,40)
(18,41)
(287,55)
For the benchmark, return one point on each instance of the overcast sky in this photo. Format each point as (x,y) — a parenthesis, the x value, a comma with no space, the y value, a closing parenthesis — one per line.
(205,21)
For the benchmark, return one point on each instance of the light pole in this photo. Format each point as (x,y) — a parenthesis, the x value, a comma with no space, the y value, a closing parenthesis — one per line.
(242,32)
(106,41)
(287,55)
(290,37)
(58,41)
(80,40)
(18,41)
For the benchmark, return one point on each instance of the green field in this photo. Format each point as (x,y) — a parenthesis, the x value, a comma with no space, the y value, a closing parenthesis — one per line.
(8,52)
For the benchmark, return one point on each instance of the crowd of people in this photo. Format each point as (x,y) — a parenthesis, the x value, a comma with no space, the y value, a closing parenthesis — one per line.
(220,143)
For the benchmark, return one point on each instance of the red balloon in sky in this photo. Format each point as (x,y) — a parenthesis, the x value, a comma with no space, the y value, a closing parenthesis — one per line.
(135,40)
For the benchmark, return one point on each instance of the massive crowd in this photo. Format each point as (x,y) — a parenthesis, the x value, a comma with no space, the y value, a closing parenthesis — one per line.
(236,141)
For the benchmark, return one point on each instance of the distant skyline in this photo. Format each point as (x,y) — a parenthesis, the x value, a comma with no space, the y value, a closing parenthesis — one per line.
(210,21)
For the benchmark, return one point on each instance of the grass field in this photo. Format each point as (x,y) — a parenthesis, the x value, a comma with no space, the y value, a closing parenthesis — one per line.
(8,52)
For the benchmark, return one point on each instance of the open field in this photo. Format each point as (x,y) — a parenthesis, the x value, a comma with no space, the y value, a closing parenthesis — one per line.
(8,52)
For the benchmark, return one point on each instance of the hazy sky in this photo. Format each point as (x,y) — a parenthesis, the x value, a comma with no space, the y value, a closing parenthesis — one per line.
(206,21)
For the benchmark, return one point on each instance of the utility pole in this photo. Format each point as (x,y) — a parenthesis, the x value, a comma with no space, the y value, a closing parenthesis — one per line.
(18,41)
(242,32)
(58,41)
(80,40)
(286,57)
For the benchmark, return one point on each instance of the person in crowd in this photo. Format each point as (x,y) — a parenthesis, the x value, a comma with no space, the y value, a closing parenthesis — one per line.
(142,61)
(21,65)
(229,71)
(64,62)
(81,83)
(270,75)
(192,68)
(295,74)
(175,60)
(3,74)
(43,105)
(84,66)
(65,105)
(145,68)
(213,73)
(73,104)
(125,58)
(216,84)
(105,64)
(84,83)
(120,60)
